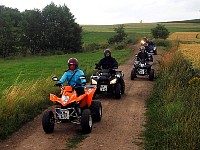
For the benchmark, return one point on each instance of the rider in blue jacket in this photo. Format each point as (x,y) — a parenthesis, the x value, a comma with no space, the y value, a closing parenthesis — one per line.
(72,77)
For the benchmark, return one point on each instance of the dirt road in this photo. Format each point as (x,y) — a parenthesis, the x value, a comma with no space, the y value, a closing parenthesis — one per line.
(120,128)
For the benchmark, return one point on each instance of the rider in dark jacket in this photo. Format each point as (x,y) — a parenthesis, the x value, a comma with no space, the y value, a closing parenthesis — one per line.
(143,55)
(108,62)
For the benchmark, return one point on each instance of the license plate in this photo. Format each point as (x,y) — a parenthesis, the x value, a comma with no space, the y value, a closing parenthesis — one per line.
(62,113)
(103,88)
(141,71)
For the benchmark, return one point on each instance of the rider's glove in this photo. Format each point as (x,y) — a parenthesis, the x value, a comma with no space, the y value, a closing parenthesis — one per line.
(57,84)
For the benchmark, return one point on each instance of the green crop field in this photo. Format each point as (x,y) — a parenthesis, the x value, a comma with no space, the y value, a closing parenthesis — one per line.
(101,33)
(144,27)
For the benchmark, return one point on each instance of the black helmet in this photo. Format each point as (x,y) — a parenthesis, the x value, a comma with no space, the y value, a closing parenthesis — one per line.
(142,49)
(107,53)
(72,62)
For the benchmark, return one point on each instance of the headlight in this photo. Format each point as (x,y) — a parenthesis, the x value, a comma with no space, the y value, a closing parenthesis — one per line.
(154,48)
(113,81)
(142,65)
(93,81)
(65,99)
(117,75)
(142,42)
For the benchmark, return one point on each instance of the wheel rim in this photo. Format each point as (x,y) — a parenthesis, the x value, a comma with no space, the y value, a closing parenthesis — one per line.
(100,111)
(90,121)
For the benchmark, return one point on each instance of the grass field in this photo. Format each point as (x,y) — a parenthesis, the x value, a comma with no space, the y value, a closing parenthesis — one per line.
(144,27)
(25,85)
(192,53)
(189,45)
(101,33)
(186,36)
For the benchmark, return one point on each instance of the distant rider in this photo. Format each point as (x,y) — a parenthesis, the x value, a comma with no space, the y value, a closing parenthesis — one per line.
(72,76)
(108,61)
(143,55)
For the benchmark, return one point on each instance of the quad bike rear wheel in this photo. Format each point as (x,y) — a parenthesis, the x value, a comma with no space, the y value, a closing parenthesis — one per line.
(96,109)
(151,75)
(86,121)
(48,121)
(118,91)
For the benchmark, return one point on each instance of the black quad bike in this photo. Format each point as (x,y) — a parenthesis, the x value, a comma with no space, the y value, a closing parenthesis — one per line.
(108,80)
(142,68)
(151,48)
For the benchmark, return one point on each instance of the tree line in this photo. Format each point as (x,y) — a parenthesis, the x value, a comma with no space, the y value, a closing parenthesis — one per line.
(52,30)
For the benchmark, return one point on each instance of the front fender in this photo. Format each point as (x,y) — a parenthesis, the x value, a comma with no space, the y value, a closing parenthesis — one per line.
(87,100)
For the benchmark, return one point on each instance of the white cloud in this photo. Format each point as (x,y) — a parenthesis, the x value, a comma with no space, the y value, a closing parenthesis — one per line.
(118,11)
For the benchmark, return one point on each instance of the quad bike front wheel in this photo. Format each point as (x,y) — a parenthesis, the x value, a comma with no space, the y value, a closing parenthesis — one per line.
(133,74)
(48,121)
(86,121)
(118,91)
(122,86)
(96,109)
(155,52)
(151,75)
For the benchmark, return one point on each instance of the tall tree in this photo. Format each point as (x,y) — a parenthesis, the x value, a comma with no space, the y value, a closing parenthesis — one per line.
(9,31)
(61,32)
(32,26)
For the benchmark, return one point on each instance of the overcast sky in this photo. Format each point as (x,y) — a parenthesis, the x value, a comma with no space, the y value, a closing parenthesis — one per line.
(108,12)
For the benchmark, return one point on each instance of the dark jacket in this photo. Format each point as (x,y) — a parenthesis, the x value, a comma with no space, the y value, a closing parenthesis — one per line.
(108,62)
(143,56)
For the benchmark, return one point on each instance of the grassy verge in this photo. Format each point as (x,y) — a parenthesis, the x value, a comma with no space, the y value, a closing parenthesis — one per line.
(75,140)
(173,110)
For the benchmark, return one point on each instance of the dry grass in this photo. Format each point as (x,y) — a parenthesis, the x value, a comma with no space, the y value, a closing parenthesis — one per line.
(191,52)
(185,36)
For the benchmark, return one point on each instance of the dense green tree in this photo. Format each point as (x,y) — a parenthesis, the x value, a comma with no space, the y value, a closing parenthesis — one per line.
(61,32)
(160,32)
(35,32)
(32,26)
(9,31)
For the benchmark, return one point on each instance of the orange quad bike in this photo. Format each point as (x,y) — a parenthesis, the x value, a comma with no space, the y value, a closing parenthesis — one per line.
(70,108)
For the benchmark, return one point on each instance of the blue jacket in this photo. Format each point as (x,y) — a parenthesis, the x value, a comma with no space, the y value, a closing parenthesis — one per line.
(75,79)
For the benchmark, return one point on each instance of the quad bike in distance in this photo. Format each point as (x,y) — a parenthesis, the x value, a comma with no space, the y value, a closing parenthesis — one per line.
(70,108)
(108,80)
(142,68)
(151,48)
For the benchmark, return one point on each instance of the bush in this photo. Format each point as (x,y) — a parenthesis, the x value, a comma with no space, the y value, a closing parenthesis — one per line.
(95,46)
(119,46)
(160,32)
(120,35)
(164,43)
